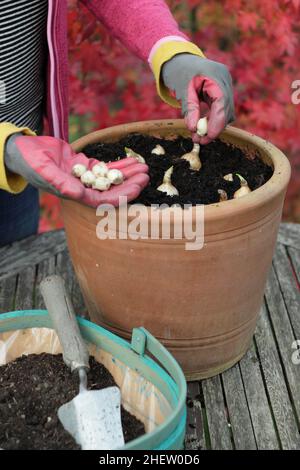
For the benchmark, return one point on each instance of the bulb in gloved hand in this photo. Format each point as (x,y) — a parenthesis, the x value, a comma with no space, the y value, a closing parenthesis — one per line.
(100,169)
(78,170)
(202,127)
(115,176)
(193,158)
(101,184)
(167,186)
(88,178)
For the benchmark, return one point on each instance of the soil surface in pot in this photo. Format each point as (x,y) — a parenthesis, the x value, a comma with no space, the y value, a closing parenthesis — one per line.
(32,388)
(195,187)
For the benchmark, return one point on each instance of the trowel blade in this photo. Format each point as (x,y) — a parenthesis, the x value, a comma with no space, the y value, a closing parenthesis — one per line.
(93,418)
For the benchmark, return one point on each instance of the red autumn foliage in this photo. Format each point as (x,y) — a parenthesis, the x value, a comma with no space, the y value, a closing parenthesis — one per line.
(259,41)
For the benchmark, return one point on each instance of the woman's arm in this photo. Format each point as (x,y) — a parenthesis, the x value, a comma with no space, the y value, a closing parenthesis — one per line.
(148,29)
(139,24)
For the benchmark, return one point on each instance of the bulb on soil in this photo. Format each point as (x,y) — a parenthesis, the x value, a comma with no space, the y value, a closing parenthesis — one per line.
(223,195)
(101,183)
(202,127)
(78,170)
(115,176)
(88,178)
(193,158)
(131,153)
(167,186)
(158,150)
(244,189)
(228,177)
(100,169)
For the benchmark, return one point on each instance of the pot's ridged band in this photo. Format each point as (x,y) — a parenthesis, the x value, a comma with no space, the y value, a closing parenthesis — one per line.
(209,237)
(194,343)
(212,371)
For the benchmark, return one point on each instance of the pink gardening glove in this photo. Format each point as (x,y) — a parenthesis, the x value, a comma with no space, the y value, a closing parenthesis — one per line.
(201,83)
(47,162)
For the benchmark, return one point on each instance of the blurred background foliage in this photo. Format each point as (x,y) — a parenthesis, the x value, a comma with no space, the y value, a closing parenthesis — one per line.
(260,43)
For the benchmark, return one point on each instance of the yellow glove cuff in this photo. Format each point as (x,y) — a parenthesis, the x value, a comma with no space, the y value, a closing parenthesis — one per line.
(10,182)
(164,53)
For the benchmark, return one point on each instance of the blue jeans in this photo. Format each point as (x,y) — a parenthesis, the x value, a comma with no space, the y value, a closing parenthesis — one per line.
(19,215)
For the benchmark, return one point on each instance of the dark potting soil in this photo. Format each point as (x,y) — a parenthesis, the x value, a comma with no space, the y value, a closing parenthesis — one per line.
(32,388)
(195,187)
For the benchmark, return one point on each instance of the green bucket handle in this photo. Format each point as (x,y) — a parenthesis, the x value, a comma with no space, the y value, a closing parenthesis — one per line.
(142,341)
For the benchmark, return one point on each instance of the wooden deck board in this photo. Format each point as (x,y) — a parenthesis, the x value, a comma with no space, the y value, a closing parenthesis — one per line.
(257,399)
(30,252)
(277,390)
(253,405)
(238,409)
(219,427)
(285,336)
(195,435)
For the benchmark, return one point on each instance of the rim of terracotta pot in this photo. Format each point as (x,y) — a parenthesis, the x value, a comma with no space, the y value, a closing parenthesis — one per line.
(275,186)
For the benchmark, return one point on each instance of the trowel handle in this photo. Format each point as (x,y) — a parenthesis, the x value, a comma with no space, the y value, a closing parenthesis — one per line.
(61,311)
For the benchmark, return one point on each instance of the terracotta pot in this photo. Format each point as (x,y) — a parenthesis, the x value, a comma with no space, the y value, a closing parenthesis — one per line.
(203,305)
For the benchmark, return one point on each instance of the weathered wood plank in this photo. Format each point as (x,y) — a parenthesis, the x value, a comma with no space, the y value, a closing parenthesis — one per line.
(217,416)
(30,252)
(295,260)
(25,289)
(282,408)
(261,415)
(7,294)
(65,268)
(45,268)
(289,286)
(284,336)
(239,415)
(289,235)
(194,439)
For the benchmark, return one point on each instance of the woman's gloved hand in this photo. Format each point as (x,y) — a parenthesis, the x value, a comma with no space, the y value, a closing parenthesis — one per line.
(197,80)
(47,162)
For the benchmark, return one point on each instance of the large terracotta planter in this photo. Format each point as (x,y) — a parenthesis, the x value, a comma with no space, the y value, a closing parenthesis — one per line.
(203,305)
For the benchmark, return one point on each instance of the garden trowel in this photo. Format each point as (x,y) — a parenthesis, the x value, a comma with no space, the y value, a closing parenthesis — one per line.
(93,418)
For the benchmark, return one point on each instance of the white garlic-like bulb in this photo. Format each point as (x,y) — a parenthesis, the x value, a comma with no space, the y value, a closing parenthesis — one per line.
(131,153)
(100,169)
(88,178)
(193,158)
(202,127)
(115,176)
(228,177)
(243,190)
(78,170)
(158,150)
(222,195)
(101,183)
(167,186)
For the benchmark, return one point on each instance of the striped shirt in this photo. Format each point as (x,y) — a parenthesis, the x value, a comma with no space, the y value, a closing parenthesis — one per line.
(23,43)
